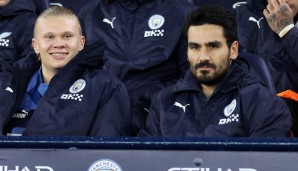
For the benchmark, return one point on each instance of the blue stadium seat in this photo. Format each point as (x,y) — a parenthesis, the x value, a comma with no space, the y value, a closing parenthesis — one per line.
(260,67)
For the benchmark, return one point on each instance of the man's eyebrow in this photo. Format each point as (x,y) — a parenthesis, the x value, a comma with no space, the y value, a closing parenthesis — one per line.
(215,42)
(193,43)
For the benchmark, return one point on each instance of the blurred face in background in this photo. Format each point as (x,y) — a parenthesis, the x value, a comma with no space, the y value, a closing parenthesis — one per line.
(3,3)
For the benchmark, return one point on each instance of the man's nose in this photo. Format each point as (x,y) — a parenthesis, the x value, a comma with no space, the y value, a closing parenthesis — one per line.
(204,55)
(59,42)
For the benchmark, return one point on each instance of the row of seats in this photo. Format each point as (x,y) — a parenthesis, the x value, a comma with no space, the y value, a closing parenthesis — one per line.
(42,4)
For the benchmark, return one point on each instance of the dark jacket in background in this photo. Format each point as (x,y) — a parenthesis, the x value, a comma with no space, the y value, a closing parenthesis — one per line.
(17,21)
(256,36)
(145,43)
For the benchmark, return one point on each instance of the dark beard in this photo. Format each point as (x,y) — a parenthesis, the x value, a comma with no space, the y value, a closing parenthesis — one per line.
(214,79)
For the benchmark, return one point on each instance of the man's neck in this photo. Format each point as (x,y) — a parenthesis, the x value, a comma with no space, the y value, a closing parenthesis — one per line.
(47,74)
(208,90)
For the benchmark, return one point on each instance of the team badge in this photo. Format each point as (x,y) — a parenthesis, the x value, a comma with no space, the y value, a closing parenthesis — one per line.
(156,21)
(230,108)
(105,165)
(78,86)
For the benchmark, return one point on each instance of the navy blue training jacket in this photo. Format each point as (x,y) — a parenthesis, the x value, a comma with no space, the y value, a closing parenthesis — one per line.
(98,107)
(146,48)
(239,107)
(16,29)
(256,36)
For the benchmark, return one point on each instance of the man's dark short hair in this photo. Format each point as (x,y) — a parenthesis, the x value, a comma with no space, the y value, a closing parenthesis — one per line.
(213,14)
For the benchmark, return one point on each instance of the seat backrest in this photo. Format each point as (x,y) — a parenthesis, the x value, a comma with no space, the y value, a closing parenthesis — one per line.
(260,67)
(41,5)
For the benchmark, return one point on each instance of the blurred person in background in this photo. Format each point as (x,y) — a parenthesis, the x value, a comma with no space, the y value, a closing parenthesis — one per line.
(17,18)
(145,46)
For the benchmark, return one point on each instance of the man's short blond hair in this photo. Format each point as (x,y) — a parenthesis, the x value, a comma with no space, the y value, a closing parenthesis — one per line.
(57,11)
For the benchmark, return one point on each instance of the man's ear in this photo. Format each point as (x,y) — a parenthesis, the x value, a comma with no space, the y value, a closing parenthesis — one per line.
(82,43)
(234,50)
(35,46)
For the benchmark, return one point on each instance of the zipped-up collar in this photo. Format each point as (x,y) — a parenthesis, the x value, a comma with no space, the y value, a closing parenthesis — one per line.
(236,78)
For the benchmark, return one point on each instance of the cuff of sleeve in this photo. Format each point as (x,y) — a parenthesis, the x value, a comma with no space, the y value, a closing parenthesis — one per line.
(285,30)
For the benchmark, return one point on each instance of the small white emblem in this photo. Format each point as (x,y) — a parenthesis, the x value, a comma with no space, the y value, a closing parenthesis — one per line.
(9,89)
(5,35)
(181,106)
(56,4)
(105,165)
(156,21)
(255,20)
(3,41)
(237,4)
(78,86)
(230,108)
(109,22)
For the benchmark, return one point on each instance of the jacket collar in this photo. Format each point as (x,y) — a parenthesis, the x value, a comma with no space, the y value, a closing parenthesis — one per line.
(237,77)
(257,5)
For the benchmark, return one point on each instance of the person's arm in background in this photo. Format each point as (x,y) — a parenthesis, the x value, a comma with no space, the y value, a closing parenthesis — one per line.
(280,18)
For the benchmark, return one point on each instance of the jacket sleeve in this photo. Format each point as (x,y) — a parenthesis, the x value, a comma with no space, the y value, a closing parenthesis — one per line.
(290,44)
(268,115)
(152,126)
(7,95)
(113,117)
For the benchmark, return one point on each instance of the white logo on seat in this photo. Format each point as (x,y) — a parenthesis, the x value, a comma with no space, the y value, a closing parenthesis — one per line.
(109,22)
(105,165)
(255,20)
(181,106)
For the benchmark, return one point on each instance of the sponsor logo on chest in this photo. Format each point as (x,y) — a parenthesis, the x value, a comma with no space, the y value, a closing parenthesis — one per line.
(228,112)
(74,90)
(155,23)
(4,41)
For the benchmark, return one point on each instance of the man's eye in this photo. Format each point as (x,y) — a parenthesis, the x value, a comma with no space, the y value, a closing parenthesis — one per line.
(193,46)
(67,36)
(49,37)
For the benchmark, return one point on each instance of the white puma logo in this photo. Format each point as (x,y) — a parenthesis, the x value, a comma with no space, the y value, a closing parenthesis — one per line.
(109,22)
(181,106)
(255,20)
(9,89)
(5,35)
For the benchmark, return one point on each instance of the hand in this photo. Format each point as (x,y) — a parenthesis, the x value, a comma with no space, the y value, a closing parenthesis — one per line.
(279,15)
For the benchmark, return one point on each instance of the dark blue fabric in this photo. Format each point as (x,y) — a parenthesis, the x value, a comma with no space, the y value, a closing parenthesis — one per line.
(255,36)
(240,106)
(16,29)
(98,107)
(144,61)
(35,90)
